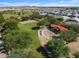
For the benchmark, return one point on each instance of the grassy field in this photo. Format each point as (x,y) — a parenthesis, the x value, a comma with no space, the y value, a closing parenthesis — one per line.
(16,15)
(34,34)
(6,16)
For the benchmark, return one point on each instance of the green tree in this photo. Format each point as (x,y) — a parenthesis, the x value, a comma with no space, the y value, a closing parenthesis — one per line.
(24,18)
(35,16)
(42,22)
(17,53)
(1,19)
(47,20)
(68,36)
(11,23)
(53,20)
(17,39)
(75,28)
(21,53)
(57,48)
(60,19)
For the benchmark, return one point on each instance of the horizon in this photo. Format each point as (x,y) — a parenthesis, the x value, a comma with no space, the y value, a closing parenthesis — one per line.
(46,3)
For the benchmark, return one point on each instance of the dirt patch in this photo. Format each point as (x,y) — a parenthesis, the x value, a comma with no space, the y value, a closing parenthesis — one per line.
(3,55)
(74,46)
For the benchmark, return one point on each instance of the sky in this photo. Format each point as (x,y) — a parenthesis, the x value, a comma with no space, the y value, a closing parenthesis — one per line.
(74,3)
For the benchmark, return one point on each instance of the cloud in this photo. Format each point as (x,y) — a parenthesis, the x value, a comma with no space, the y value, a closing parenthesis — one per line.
(68,1)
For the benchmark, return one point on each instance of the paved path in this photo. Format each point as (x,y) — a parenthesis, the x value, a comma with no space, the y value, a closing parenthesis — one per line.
(29,21)
(44,36)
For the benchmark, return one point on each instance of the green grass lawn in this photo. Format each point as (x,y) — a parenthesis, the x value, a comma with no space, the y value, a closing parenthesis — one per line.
(6,16)
(34,34)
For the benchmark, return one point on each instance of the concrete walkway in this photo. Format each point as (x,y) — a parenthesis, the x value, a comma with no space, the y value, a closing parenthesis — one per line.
(29,21)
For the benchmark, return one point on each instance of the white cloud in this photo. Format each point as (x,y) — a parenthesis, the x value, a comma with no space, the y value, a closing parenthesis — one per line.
(68,1)
(73,1)
(62,1)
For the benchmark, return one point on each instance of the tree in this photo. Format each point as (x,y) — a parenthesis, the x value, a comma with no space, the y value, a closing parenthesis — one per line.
(21,53)
(14,18)
(75,28)
(11,23)
(57,48)
(24,18)
(53,20)
(1,19)
(42,22)
(35,16)
(17,39)
(60,19)
(68,36)
(17,53)
(47,20)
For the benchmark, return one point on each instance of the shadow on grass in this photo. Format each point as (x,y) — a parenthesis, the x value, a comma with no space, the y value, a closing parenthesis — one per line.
(43,52)
(35,28)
